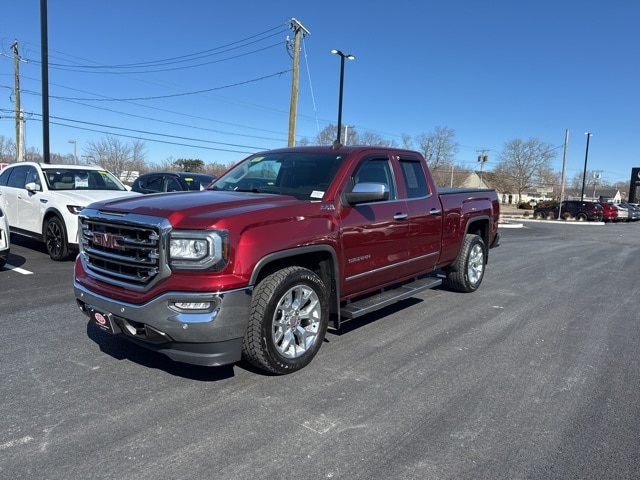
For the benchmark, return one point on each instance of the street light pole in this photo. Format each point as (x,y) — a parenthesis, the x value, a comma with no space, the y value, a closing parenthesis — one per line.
(342,57)
(586,156)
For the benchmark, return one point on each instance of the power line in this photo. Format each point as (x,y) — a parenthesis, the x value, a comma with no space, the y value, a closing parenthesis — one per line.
(107,99)
(174,60)
(75,69)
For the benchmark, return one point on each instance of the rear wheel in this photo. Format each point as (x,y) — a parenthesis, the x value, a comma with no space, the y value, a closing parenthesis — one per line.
(288,320)
(581,217)
(55,238)
(466,274)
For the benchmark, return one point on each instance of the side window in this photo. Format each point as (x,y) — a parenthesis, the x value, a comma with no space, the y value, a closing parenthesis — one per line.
(414,178)
(18,177)
(4,177)
(33,177)
(173,185)
(154,184)
(376,171)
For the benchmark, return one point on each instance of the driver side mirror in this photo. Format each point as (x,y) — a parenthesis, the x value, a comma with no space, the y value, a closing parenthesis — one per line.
(366,192)
(33,187)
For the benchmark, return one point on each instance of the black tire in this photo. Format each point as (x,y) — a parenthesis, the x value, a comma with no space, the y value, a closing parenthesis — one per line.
(581,217)
(288,321)
(467,272)
(55,239)
(538,215)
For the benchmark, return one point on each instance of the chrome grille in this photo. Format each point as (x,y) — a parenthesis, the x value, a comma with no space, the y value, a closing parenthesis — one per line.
(126,253)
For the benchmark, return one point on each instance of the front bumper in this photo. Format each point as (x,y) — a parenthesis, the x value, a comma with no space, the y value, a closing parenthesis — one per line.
(210,336)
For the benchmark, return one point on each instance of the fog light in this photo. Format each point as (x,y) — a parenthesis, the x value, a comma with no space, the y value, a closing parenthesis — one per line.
(192,305)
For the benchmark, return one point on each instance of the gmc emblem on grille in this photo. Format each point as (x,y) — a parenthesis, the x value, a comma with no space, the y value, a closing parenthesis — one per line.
(108,241)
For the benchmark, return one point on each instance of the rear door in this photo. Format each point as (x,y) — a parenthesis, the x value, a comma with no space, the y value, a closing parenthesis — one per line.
(425,215)
(374,234)
(13,192)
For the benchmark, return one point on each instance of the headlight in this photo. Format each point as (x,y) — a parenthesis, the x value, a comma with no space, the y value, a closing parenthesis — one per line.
(75,209)
(198,250)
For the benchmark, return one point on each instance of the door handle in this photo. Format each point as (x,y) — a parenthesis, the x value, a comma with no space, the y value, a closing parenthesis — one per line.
(400,216)
(435,211)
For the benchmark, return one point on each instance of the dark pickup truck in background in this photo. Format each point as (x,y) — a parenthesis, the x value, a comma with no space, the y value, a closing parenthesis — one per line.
(285,244)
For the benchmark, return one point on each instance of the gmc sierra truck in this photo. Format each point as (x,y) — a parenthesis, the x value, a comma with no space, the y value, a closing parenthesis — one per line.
(285,244)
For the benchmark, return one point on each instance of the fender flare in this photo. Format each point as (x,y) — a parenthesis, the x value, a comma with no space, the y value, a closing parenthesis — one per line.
(333,287)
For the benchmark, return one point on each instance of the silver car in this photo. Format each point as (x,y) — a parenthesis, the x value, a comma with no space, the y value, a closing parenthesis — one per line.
(5,242)
(633,209)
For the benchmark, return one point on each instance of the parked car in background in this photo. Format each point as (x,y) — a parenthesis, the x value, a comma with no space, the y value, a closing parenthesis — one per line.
(42,200)
(637,207)
(570,209)
(623,212)
(156,182)
(632,210)
(5,242)
(609,212)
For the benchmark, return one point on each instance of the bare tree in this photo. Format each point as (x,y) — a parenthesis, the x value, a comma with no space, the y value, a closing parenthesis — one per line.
(216,168)
(407,142)
(438,147)
(522,164)
(115,155)
(374,139)
(32,154)
(327,135)
(7,150)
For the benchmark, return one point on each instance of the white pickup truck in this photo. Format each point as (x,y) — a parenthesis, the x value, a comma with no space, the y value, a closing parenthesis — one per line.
(42,200)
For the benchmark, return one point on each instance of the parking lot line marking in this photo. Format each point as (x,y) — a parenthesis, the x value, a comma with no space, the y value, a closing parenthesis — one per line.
(18,269)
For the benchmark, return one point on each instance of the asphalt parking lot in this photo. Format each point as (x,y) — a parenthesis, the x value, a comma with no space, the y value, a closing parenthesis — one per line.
(535,376)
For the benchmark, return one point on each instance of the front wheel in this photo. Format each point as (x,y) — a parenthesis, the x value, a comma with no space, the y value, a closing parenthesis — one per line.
(288,321)
(55,238)
(467,272)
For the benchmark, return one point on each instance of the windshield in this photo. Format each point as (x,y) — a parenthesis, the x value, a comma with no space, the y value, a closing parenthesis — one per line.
(303,175)
(80,179)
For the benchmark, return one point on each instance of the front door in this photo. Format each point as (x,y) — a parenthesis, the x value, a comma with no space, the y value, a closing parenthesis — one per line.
(374,235)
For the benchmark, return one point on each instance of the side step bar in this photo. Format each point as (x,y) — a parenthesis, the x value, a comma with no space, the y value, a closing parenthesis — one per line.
(382,299)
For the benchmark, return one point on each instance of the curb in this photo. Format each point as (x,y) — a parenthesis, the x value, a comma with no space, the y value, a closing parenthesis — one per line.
(507,220)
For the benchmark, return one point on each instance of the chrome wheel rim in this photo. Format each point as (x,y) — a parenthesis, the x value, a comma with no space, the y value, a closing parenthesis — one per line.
(296,321)
(475,267)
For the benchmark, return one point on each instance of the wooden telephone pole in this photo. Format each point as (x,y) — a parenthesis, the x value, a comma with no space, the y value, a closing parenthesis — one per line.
(16,90)
(298,30)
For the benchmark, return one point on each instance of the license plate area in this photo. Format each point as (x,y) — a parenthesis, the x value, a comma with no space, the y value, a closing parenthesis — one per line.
(104,321)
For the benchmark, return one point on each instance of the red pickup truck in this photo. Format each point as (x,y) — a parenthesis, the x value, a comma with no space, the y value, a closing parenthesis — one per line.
(285,244)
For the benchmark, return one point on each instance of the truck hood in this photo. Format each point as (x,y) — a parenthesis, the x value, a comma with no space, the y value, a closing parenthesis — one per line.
(195,210)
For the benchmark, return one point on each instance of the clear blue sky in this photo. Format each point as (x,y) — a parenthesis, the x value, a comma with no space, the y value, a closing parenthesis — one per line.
(491,70)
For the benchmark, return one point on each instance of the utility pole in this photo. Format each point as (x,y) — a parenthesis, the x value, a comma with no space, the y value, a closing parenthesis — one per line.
(16,69)
(298,30)
(482,158)
(346,133)
(75,156)
(564,163)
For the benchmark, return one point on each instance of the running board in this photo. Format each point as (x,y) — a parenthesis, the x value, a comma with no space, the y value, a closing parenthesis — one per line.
(387,297)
